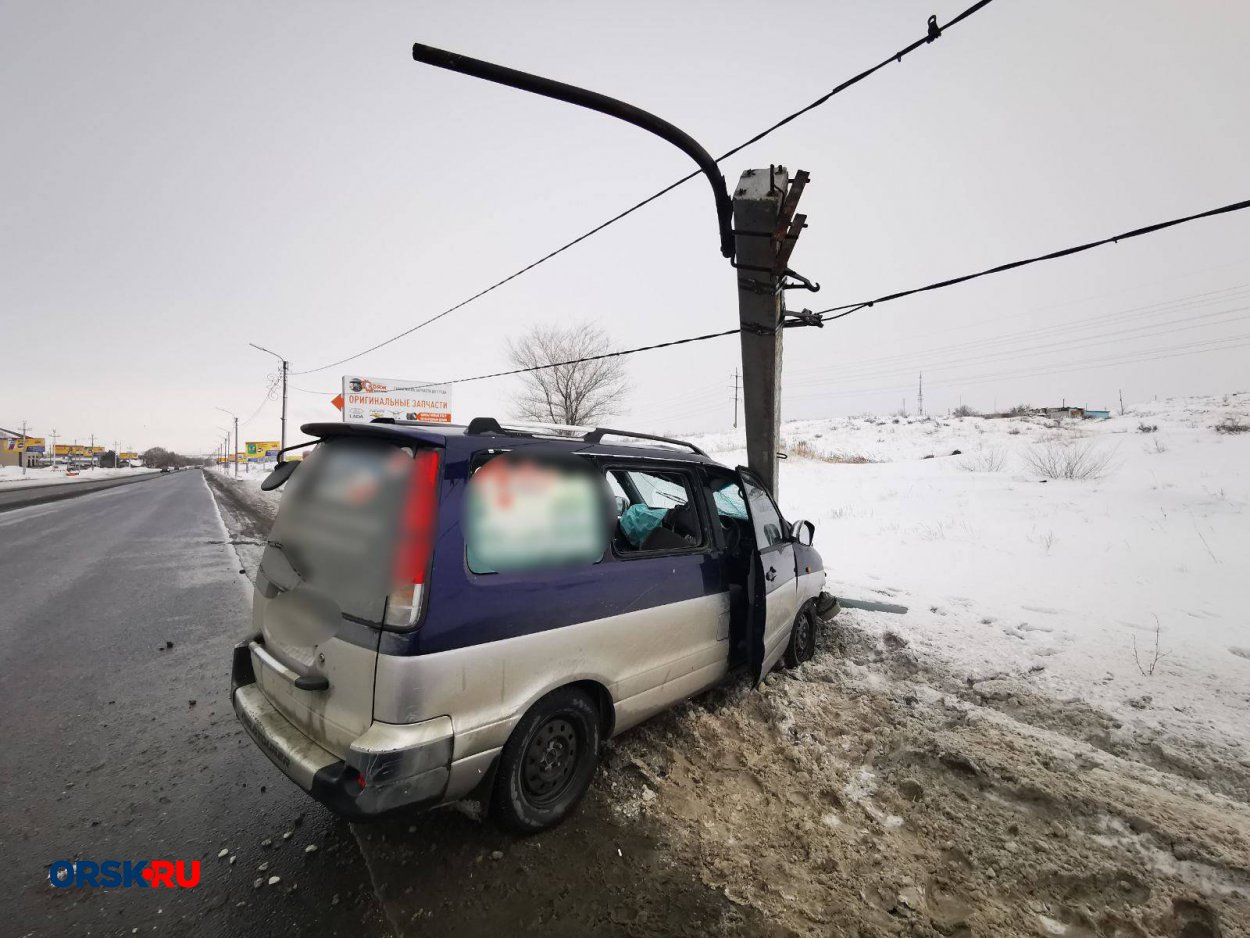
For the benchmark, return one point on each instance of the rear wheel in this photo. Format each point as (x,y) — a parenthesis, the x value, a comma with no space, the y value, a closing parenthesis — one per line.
(802,644)
(547,763)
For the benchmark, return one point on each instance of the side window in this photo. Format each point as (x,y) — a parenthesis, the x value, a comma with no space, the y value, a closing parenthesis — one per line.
(657,511)
(764,515)
(730,503)
(530,513)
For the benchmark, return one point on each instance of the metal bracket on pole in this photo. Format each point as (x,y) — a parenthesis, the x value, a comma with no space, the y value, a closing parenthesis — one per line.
(594,101)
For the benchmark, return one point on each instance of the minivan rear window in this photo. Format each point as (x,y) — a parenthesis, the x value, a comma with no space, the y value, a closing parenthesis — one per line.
(337,527)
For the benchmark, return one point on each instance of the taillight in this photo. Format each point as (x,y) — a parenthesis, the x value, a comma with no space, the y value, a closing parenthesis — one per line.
(415,547)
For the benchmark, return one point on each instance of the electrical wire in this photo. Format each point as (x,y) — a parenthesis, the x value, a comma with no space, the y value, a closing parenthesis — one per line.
(847,309)
(932,33)
(938,360)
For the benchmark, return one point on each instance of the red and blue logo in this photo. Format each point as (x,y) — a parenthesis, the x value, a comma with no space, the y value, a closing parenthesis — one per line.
(125,874)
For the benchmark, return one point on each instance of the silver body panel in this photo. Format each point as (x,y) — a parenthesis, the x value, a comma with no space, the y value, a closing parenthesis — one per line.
(288,747)
(646,659)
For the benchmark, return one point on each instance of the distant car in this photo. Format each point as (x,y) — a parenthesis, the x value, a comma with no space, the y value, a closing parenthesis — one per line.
(164,468)
(424,635)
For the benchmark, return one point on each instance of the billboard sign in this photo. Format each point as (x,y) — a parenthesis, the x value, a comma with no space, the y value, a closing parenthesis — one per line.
(127,455)
(14,444)
(401,399)
(265,449)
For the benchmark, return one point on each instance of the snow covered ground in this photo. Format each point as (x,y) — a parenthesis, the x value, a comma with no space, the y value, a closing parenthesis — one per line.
(12,475)
(1007,575)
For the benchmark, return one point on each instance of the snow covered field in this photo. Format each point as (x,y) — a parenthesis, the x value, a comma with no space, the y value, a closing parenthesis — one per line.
(1005,574)
(12,475)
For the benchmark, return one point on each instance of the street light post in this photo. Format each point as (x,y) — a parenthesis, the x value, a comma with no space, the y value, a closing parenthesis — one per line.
(285,369)
(223,446)
(235,454)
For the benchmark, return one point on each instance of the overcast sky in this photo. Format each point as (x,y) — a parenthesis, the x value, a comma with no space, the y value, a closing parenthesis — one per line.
(180,179)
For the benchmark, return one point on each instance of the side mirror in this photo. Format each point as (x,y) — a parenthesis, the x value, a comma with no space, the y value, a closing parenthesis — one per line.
(281,472)
(801,531)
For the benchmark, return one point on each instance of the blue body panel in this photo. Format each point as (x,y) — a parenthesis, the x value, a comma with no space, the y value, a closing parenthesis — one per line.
(466,608)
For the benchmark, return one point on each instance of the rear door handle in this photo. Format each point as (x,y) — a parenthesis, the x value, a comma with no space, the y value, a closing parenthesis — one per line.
(312,682)
(771,574)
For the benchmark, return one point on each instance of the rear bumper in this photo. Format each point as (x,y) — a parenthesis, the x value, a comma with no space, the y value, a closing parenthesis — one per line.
(389,767)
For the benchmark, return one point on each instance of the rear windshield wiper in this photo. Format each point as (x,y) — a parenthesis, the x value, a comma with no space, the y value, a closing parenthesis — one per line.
(282,549)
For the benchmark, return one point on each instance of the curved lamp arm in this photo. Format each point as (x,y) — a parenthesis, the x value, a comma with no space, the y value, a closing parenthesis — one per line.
(604,105)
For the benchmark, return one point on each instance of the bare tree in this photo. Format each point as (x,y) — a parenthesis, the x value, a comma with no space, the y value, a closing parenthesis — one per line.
(573,391)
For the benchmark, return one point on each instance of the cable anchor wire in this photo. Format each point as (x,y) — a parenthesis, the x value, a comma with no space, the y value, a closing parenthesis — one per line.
(804,317)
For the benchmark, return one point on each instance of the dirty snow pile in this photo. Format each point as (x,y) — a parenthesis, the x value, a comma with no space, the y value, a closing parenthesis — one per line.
(1125,589)
(11,476)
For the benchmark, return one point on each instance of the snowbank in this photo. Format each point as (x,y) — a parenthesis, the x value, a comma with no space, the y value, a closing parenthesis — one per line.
(12,475)
(1068,582)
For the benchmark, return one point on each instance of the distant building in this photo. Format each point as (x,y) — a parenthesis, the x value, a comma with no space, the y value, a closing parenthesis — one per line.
(10,448)
(1075,413)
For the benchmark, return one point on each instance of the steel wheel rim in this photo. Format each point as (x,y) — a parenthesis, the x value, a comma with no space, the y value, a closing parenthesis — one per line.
(807,636)
(550,761)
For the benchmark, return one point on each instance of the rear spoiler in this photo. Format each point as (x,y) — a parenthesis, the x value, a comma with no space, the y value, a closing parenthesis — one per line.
(394,432)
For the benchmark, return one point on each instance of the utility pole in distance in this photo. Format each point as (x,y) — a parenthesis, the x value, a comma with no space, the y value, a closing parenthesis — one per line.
(285,368)
(735,398)
(21,456)
(235,452)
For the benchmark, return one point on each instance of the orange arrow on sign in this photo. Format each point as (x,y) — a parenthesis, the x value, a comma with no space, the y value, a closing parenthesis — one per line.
(338,401)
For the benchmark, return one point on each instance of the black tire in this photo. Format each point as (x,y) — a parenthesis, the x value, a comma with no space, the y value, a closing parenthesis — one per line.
(547,763)
(802,644)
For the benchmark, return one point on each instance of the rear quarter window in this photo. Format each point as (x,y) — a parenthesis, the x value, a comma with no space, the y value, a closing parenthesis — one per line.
(528,513)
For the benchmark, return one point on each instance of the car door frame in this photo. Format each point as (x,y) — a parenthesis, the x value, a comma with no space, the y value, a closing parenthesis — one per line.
(773,590)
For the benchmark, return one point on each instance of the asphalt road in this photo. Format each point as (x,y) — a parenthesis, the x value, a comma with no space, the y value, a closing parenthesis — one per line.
(117,747)
(20,494)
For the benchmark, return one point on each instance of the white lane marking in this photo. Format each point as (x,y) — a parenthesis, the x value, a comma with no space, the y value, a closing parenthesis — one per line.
(247,585)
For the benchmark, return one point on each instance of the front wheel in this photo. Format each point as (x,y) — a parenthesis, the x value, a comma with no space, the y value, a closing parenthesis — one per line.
(802,644)
(548,762)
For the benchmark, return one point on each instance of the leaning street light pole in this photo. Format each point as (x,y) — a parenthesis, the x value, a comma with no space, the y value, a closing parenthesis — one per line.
(757,227)
(285,368)
(594,101)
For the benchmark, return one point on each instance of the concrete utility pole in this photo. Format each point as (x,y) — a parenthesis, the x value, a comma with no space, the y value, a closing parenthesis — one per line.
(757,206)
(21,456)
(920,397)
(766,228)
(735,398)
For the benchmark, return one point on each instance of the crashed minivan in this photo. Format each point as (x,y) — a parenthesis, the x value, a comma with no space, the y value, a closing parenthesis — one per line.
(450,612)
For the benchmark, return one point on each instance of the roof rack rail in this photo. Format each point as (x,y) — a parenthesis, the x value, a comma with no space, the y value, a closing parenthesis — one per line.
(597,435)
(481,425)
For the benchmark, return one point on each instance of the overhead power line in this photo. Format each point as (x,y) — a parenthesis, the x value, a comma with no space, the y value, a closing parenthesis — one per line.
(849,308)
(933,31)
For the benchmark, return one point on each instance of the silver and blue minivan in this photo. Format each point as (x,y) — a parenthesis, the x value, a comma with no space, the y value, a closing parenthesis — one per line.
(449,612)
